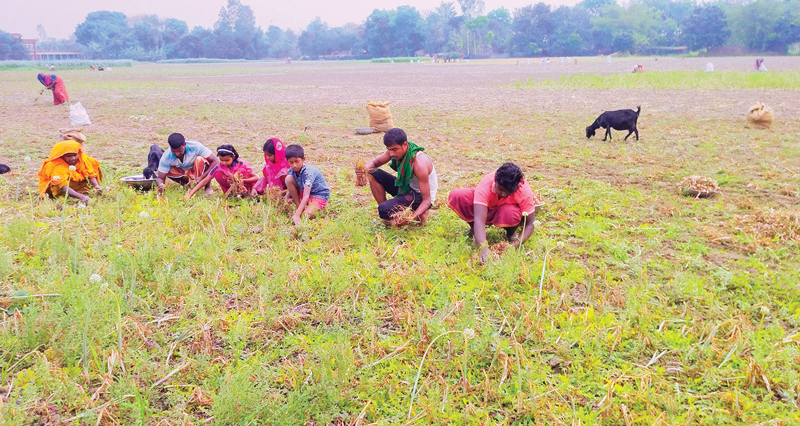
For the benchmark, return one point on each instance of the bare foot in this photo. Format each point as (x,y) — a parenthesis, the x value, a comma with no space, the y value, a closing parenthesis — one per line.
(513,239)
(209,190)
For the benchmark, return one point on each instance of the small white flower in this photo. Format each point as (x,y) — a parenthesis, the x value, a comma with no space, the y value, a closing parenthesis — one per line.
(144,215)
(764,310)
(536,223)
(81,206)
(73,168)
(496,296)
(524,214)
(104,286)
(469,333)
(560,244)
(27,158)
(56,177)
(95,278)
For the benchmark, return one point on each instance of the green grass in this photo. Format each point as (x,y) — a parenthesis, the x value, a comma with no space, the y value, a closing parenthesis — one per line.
(656,309)
(400,59)
(71,64)
(661,80)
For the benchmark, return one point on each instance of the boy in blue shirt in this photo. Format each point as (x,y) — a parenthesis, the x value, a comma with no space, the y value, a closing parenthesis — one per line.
(307,187)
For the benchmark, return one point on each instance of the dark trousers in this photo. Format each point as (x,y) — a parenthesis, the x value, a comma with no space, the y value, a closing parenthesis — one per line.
(389,207)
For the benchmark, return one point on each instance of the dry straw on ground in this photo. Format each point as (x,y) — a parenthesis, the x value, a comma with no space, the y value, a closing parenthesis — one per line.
(767,227)
(699,183)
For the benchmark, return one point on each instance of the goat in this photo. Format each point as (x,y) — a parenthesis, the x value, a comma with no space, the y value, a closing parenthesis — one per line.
(4,169)
(624,119)
(153,158)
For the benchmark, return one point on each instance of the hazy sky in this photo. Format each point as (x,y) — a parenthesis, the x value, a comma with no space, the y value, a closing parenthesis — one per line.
(60,17)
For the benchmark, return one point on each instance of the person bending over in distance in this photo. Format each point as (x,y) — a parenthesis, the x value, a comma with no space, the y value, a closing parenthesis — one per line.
(414,186)
(69,172)
(185,162)
(502,199)
(56,84)
(276,168)
(229,166)
(307,187)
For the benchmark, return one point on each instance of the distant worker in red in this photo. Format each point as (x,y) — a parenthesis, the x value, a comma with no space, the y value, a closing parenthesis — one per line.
(56,84)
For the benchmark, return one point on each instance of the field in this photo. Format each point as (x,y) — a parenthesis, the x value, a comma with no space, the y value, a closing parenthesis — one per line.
(630,305)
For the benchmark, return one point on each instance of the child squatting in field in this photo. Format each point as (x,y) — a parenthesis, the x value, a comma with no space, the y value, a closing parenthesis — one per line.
(307,187)
(231,169)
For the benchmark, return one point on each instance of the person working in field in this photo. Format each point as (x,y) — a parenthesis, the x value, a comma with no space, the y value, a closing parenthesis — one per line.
(276,167)
(414,186)
(234,176)
(307,187)
(76,134)
(69,172)
(185,162)
(56,84)
(502,198)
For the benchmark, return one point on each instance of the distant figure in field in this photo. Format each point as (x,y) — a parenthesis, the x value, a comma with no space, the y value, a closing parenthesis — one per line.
(185,162)
(415,185)
(56,84)
(502,198)
(760,65)
(69,172)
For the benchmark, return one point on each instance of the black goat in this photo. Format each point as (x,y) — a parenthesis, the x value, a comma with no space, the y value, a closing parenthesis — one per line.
(153,157)
(4,169)
(624,119)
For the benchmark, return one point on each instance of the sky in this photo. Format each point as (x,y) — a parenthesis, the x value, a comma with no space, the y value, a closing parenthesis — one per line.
(60,17)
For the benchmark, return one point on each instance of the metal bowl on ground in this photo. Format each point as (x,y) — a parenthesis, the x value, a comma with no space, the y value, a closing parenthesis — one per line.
(139,182)
(696,193)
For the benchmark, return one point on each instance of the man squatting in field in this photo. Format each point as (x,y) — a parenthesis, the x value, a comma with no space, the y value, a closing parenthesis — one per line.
(185,162)
(502,198)
(416,182)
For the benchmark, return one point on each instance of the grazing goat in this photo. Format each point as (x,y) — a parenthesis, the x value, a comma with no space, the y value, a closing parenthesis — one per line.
(624,119)
(4,169)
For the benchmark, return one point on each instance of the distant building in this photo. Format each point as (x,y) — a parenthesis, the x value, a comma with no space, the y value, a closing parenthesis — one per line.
(45,55)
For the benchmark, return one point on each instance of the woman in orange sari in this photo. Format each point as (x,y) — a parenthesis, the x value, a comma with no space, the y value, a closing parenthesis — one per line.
(56,84)
(69,172)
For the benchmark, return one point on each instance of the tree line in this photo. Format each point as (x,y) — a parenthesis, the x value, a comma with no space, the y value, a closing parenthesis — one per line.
(453,29)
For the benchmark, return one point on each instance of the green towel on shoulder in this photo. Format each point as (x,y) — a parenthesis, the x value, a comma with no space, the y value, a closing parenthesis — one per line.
(405,168)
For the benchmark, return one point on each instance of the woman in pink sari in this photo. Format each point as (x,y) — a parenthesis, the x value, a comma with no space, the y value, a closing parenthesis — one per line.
(276,167)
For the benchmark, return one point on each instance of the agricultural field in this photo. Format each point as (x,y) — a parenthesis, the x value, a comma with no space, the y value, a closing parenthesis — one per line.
(630,305)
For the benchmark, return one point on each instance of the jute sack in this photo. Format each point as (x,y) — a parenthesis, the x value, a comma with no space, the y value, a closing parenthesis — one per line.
(760,116)
(72,134)
(380,117)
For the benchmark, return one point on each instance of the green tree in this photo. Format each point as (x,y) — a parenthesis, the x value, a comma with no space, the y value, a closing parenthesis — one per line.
(532,28)
(106,34)
(706,28)
(11,48)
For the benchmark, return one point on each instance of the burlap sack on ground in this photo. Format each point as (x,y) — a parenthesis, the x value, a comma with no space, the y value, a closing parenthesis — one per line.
(380,116)
(74,134)
(759,116)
